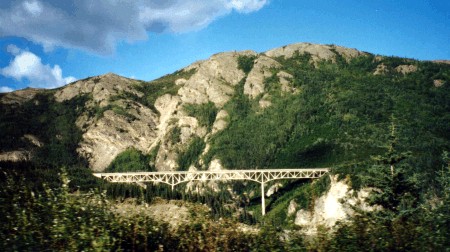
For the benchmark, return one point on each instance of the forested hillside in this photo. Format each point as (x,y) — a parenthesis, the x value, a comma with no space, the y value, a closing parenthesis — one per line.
(378,122)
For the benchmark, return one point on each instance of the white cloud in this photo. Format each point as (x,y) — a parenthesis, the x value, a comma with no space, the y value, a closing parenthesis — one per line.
(13,49)
(98,25)
(27,65)
(4,89)
(33,7)
(247,6)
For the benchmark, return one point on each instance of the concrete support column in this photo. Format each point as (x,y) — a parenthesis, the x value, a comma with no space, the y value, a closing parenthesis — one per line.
(172,181)
(263,202)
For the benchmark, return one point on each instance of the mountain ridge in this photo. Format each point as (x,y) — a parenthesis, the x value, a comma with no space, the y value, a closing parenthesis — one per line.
(381,123)
(147,122)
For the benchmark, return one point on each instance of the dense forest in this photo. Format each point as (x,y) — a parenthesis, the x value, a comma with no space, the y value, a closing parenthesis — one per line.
(387,131)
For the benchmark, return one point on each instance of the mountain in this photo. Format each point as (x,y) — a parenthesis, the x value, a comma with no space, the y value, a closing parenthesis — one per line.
(294,106)
(380,123)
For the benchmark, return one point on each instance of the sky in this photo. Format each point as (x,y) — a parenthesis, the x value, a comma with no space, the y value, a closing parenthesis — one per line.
(50,43)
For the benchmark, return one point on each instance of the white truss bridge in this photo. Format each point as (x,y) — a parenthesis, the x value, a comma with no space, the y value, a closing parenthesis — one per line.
(174,178)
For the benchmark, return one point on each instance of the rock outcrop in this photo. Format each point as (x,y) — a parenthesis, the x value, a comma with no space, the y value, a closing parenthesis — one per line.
(262,69)
(406,69)
(318,52)
(334,205)
(114,133)
(113,120)
(102,88)
(20,96)
(15,156)
(214,79)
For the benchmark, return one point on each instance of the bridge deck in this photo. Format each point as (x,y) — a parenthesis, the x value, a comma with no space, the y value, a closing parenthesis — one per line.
(177,177)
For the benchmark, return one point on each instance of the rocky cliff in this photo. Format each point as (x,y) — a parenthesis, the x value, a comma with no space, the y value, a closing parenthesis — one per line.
(212,80)
(296,106)
(120,122)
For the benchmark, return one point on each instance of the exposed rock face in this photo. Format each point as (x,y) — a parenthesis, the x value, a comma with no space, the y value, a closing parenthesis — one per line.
(381,69)
(20,96)
(171,212)
(221,121)
(438,83)
(442,61)
(273,189)
(101,88)
(33,140)
(285,81)
(265,101)
(406,69)
(15,156)
(214,79)
(113,133)
(292,207)
(112,122)
(215,165)
(328,209)
(318,52)
(167,106)
(254,85)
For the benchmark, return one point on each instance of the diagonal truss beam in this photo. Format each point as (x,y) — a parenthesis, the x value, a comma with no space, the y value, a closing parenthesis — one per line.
(177,177)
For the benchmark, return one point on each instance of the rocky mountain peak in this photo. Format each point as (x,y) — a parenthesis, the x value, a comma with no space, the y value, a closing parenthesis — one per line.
(20,96)
(100,87)
(214,79)
(317,51)
(165,115)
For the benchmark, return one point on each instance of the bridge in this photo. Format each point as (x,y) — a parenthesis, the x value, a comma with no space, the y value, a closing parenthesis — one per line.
(174,178)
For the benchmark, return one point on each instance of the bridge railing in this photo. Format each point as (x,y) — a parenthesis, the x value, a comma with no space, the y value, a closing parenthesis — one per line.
(177,177)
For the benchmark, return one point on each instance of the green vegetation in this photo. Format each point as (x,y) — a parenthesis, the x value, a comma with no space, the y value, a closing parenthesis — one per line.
(303,193)
(191,154)
(388,132)
(205,113)
(55,220)
(409,221)
(344,117)
(53,123)
(156,88)
(116,108)
(131,160)
(341,116)
(175,135)
(246,62)
(150,92)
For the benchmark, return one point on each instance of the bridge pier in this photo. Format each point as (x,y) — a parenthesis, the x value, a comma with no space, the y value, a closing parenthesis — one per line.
(176,177)
(263,201)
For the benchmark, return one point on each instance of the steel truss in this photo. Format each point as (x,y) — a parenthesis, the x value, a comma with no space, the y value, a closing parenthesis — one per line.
(177,177)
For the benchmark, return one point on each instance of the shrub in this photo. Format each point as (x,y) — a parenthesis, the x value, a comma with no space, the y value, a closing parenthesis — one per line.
(246,62)
(130,160)
(192,153)
(205,113)
(174,135)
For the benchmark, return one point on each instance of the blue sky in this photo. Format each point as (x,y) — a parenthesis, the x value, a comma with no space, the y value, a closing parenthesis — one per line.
(48,43)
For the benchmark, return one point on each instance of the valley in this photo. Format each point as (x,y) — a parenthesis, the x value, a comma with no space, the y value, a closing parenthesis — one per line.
(379,123)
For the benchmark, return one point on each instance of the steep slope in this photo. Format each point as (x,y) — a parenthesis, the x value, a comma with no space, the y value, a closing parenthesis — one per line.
(298,105)
(381,123)
(110,124)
